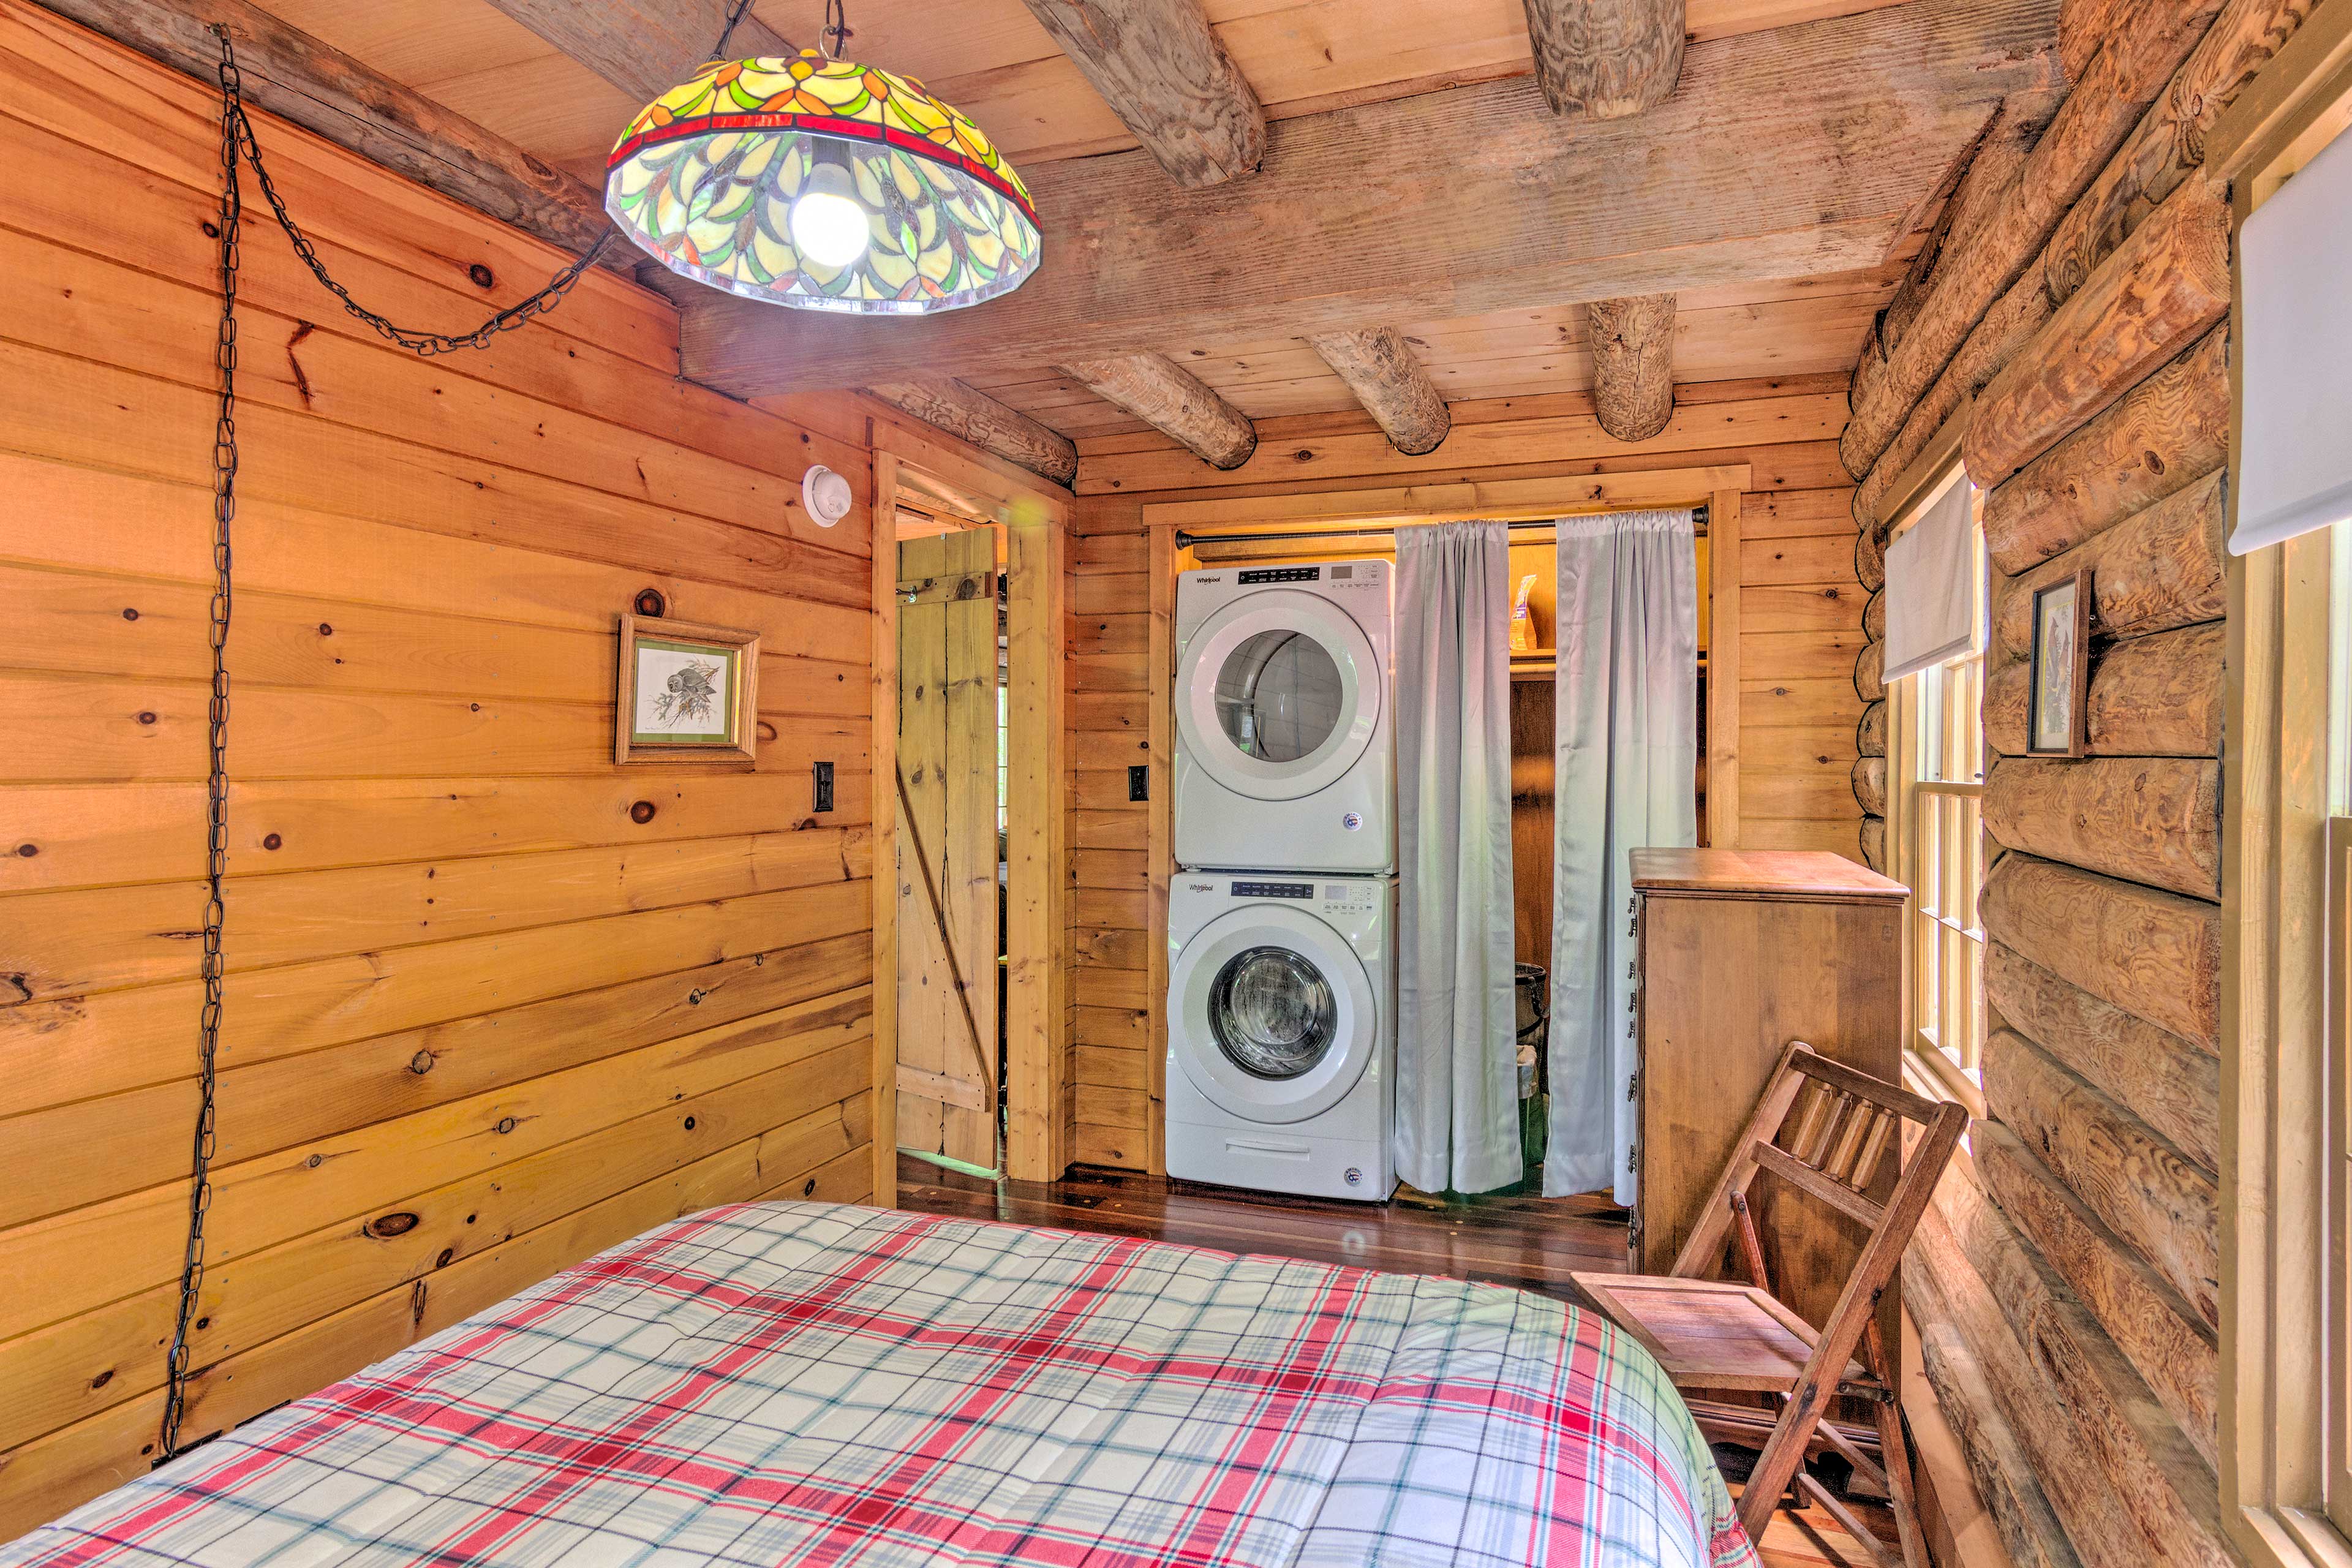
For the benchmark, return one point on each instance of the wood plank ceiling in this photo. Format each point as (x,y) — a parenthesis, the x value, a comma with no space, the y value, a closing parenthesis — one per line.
(1048,103)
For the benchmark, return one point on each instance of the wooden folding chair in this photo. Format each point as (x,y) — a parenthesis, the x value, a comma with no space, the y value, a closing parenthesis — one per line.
(1719,1337)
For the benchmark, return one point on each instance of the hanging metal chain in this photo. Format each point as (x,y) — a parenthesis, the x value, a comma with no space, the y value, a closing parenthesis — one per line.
(734,14)
(834,36)
(239,138)
(237,144)
(225,461)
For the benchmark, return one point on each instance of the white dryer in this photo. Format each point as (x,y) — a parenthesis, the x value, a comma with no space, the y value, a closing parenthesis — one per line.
(1284,736)
(1281,1033)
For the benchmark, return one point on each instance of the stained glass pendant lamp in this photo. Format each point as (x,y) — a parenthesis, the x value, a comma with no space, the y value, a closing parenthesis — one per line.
(820,183)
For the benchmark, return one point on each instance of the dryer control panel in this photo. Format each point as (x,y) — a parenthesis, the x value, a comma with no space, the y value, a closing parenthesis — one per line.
(1274,890)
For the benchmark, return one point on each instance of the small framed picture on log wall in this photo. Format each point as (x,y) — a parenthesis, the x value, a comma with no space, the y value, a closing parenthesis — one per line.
(2057,722)
(686,693)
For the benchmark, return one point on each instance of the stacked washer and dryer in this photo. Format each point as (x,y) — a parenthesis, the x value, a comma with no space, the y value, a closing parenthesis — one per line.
(1282,915)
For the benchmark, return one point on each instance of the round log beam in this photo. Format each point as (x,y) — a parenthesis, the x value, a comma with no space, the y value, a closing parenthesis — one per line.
(1390,383)
(1604,59)
(1634,365)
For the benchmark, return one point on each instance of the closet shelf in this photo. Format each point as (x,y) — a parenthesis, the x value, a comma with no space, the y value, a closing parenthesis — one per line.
(1539,664)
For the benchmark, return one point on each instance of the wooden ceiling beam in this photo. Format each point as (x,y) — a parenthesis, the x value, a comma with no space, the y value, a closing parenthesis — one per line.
(1174,401)
(1604,59)
(946,404)
(1390,383)
(644,47)
(1166,76)
(1786,154)
(1634,365)
(295,76)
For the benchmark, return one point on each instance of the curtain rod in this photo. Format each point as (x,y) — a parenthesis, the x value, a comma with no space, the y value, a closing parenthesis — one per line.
(1185,539)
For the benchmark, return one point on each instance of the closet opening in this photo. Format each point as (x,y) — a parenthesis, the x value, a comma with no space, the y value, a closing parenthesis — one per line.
(1532,654)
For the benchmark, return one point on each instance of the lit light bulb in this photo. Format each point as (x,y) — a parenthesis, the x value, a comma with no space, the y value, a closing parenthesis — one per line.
(828,222)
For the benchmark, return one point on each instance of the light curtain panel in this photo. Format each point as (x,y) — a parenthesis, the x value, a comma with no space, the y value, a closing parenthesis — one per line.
(1626,763)
(2295,449)
(1457,1105)
(1935,586)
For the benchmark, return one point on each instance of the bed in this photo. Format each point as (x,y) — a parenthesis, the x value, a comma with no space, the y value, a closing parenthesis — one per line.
(823,1384)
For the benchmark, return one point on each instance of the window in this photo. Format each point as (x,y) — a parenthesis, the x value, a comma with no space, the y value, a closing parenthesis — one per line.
(2286,978)
(1936,768)
(2287,933)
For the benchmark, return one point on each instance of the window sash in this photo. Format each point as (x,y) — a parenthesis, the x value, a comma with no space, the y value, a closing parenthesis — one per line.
(1936,788)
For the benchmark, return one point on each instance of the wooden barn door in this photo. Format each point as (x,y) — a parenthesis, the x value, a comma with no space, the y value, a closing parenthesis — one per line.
(947,847)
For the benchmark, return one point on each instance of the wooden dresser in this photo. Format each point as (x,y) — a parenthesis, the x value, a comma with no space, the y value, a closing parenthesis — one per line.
(1740,953)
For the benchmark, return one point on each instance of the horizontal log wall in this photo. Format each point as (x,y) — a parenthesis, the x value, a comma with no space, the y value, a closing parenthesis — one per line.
(2088,350)
(493,1003)
(1801,627)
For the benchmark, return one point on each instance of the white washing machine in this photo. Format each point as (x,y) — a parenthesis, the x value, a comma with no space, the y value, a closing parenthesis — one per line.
(1285,737)
(1282,1032)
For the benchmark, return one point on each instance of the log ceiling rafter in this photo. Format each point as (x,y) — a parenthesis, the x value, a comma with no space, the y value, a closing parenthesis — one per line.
(946,404)
(644,47)
(1634,365)
(1174,401)
(291,74)
(1164,74)
(1791,153)
(1604,59)
(1380,368)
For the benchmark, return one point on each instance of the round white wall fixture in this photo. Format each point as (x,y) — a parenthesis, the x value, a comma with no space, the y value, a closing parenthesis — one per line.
(825,494)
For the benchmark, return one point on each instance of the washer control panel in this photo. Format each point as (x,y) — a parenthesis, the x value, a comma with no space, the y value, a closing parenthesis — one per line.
(1274,890)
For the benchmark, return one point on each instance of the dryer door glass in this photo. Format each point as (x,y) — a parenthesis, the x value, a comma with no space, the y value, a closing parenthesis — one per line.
(1273,1013)
(1279,696)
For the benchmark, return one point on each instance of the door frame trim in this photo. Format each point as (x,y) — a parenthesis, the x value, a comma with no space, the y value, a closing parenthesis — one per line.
(914,463)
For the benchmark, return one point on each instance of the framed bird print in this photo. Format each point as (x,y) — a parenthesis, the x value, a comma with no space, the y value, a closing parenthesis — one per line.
(688,693)
(2057,716)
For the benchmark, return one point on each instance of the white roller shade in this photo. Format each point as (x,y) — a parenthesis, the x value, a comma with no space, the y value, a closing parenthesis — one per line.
(1931,586)
(2295,457)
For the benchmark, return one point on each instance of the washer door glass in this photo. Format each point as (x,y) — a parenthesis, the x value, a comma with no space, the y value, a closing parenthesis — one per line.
(1279,696)
(1270,1015)
(1273,1013)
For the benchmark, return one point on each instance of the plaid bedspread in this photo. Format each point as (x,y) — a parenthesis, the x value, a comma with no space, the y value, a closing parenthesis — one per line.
(816,1383)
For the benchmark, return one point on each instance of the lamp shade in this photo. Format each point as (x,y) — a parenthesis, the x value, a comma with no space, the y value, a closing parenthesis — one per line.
(742,179)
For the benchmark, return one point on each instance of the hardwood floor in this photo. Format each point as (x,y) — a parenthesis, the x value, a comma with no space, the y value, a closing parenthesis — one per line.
(1529,1243)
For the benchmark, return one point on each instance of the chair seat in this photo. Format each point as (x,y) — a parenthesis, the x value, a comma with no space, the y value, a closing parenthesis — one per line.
(1707,1333)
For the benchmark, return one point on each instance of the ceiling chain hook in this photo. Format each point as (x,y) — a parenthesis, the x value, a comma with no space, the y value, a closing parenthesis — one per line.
(835,37)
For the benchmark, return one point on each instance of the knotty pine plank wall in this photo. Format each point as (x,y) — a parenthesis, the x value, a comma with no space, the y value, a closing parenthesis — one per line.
(2068,1279)
(481,1021)
(1801,628)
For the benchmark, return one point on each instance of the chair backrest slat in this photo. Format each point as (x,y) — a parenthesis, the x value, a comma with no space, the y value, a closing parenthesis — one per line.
(1886,1096)
(1822,1126)
(1840,1159)
(1865,1165)
(1816,1149)
(1814,1100)
(1836,1194)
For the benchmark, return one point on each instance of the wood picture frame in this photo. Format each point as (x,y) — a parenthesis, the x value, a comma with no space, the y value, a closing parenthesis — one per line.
(686,693)
(2058,684)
